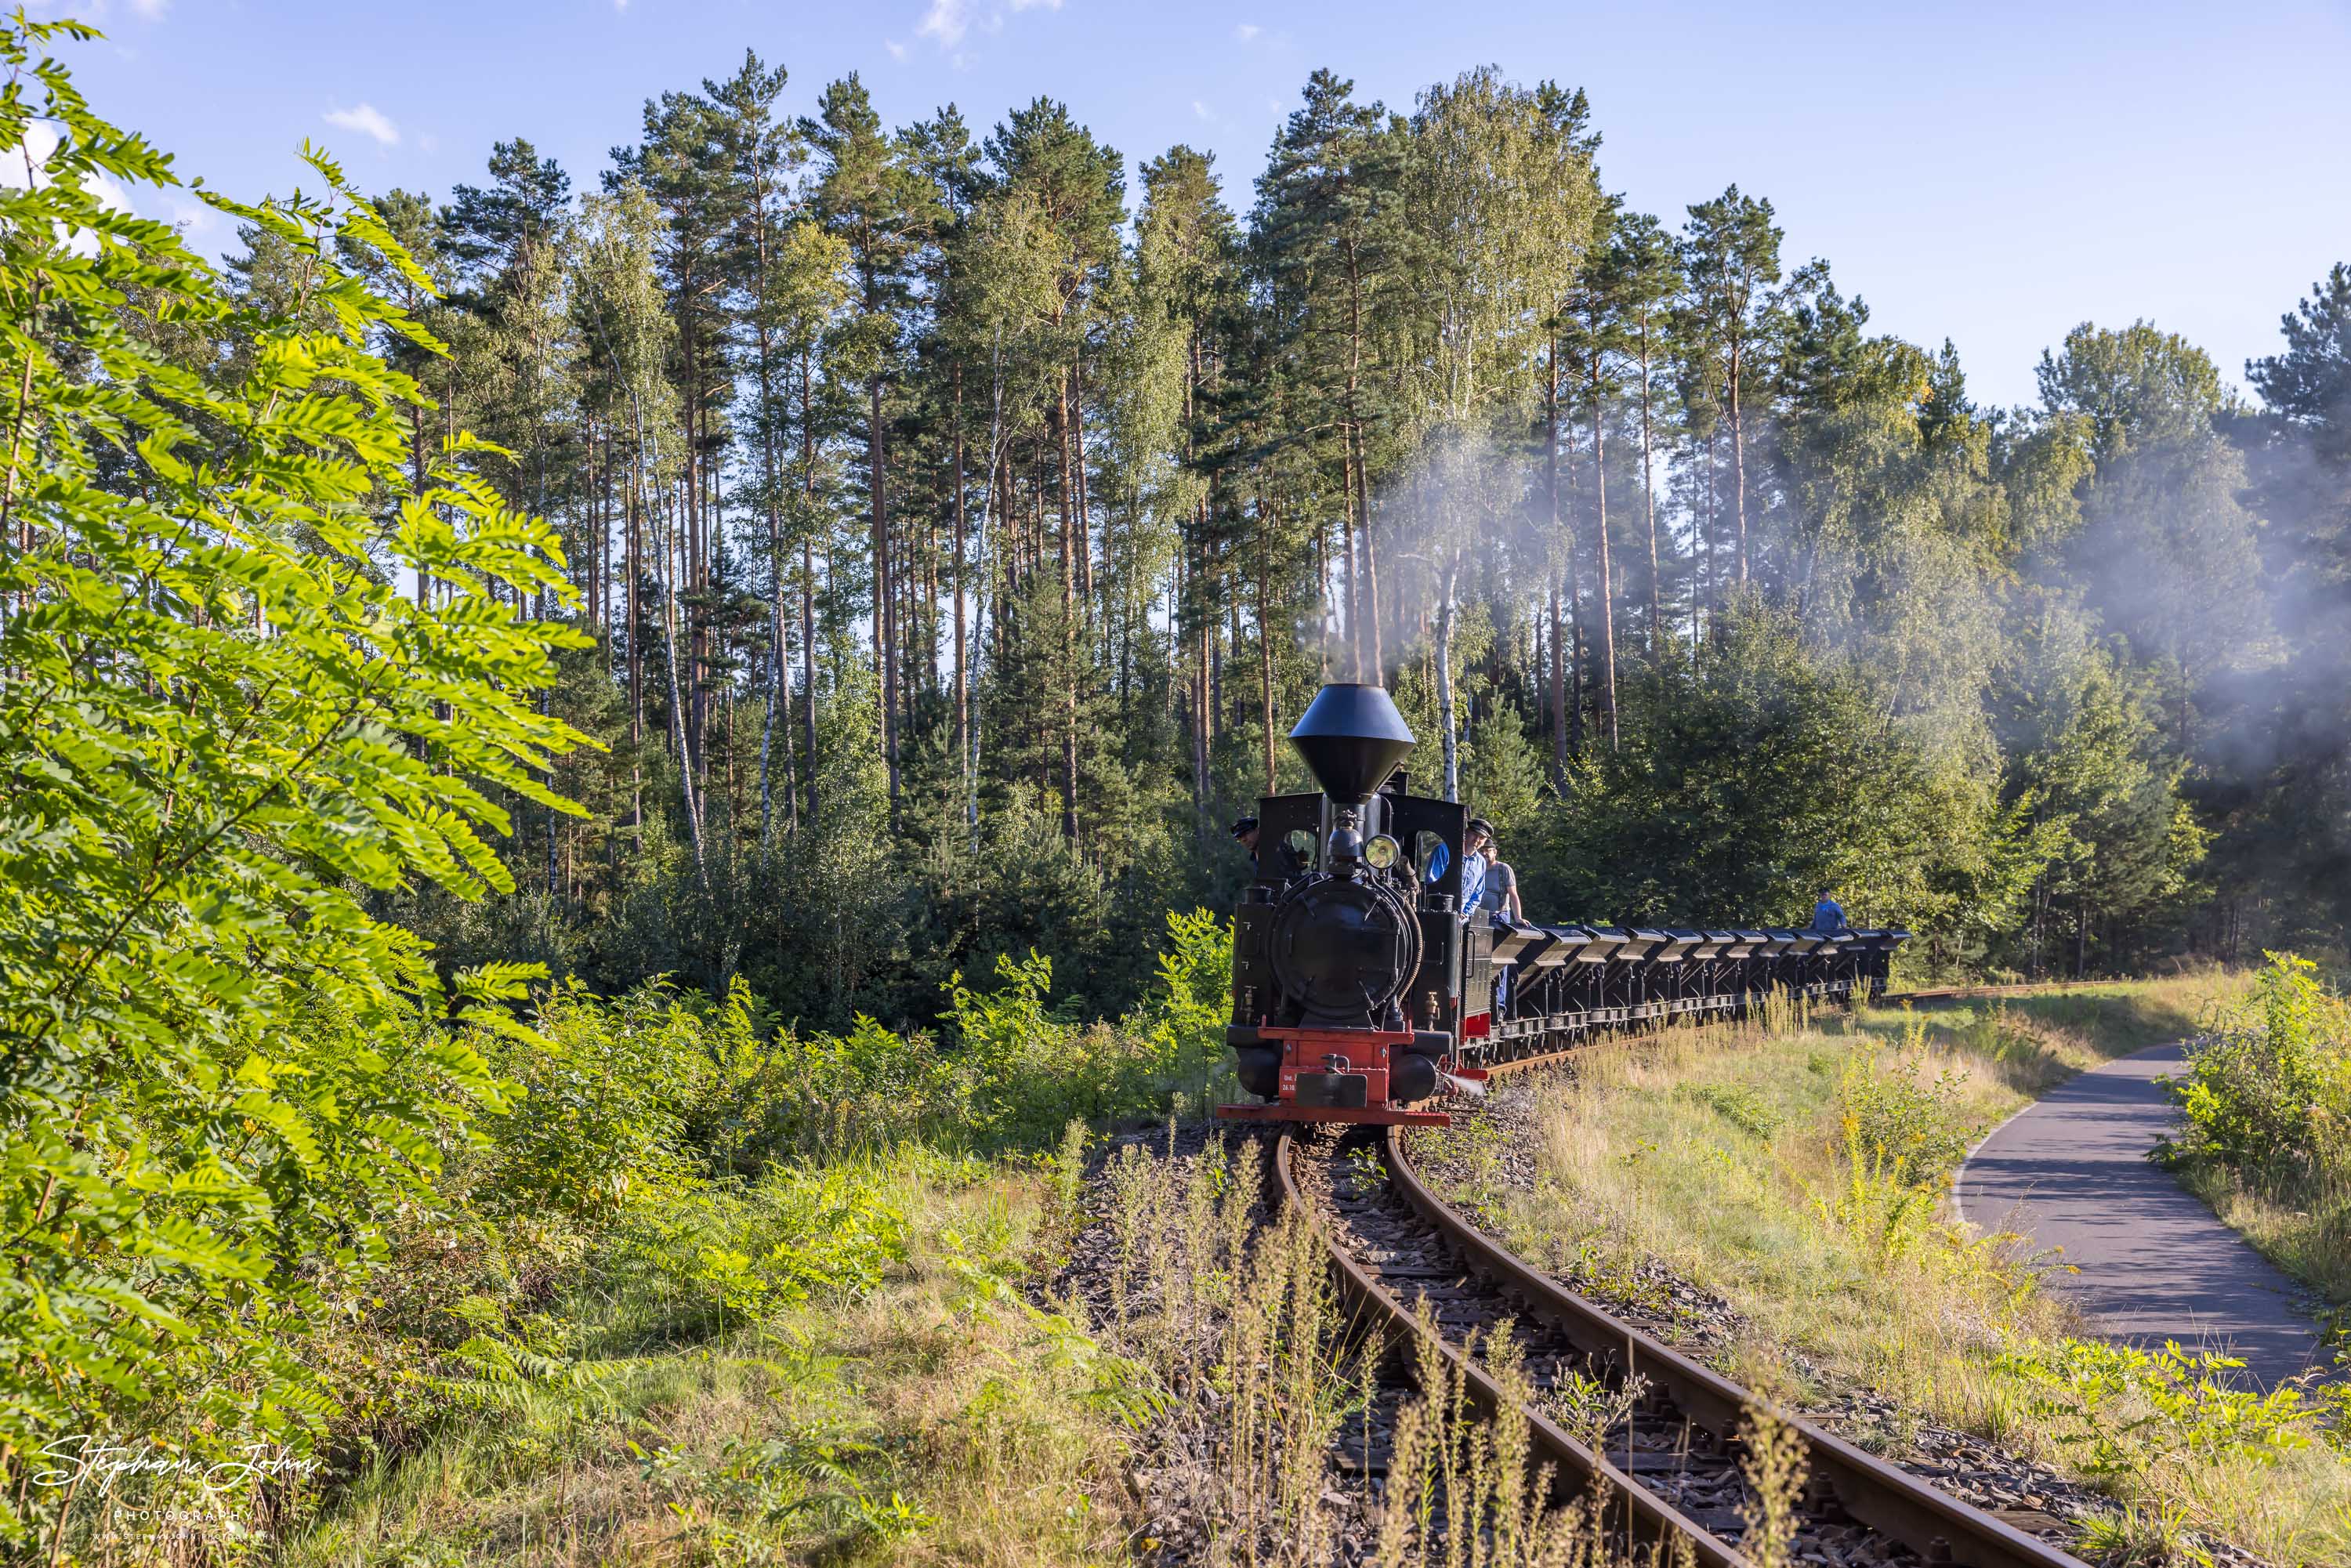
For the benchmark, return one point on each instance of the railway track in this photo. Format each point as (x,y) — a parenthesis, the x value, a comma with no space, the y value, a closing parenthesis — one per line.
(2023,988)
(1663,1441)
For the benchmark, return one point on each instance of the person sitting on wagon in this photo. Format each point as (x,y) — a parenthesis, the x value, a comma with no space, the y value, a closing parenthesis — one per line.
(1828,914)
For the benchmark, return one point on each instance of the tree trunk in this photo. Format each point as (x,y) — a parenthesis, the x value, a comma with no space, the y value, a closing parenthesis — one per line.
(885,659)
(672,554)
(962,673)
(1607,575)
(1360,496)
(681,537)
(1445,679)
(1738,461)
(1265,636)
(1558,688)
(1649,500)
(1068,672)
(1559,741)
(808,575)
(1085,505)
(632,502)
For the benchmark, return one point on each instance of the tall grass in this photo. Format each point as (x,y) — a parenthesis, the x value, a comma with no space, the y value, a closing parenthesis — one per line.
(2265,1106)
(1801,1174)
(1239,1321)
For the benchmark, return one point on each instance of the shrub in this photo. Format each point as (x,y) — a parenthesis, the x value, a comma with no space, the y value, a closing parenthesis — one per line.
(795,1233)
(2125,1411)
(1891,1113)
(2267,1095)
(220,1076)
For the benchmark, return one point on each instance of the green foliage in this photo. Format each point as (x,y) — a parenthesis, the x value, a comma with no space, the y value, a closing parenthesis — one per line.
(1765,775)
(599,1125)
(2122,1411)
(1893,1113)
(1741,1105)
(2267,1093)
(793,1233)
(220,719)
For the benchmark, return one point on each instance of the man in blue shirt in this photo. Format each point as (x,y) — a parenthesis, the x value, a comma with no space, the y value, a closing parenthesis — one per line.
(1474,838)
(1828,914)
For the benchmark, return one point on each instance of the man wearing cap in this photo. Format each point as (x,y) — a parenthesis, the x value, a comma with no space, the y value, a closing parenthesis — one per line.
(1474,837)
(1285,862)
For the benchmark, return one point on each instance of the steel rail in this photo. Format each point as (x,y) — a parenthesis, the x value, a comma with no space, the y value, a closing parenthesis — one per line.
(1574,1467)
(1889,1500)
(2022,988)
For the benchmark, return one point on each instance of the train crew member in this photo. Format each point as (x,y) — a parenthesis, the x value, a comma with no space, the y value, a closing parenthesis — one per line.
(1280,866)
(1503,897)
(1245,834)
(1828,914)
(1474,837)
(1503,888)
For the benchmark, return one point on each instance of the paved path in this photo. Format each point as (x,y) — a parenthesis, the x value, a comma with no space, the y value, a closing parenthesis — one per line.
(2071,1172)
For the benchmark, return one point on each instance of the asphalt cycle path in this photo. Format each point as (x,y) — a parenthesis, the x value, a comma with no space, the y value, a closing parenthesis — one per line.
(2071,1172)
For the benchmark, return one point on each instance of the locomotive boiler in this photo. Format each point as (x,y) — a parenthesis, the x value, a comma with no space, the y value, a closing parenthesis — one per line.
(1361,993)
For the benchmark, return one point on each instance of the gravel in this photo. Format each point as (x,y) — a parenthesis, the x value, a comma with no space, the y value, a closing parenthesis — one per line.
(2023,1491)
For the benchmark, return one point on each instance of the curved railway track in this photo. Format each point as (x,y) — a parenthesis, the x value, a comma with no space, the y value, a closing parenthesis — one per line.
(1670,1471)
(2023,988)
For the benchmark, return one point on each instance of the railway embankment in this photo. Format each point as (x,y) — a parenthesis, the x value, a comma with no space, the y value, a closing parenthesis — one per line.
(1776,1201)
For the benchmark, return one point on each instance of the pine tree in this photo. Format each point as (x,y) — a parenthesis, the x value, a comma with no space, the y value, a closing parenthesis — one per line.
(1731,257)
(869,197)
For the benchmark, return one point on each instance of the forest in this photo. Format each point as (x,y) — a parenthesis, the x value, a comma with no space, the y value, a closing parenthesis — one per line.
(954,517)
(580,762)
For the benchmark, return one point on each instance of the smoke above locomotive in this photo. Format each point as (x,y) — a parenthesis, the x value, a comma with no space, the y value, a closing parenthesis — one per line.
(1364,987)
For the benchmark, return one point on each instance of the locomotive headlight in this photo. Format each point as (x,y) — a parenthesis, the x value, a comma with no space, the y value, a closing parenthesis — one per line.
(1381,851)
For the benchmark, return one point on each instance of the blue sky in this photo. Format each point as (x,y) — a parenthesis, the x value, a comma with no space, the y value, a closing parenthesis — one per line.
(1993,173)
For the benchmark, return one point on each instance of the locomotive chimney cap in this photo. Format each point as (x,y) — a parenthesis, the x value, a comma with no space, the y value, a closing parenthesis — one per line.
(1351,737)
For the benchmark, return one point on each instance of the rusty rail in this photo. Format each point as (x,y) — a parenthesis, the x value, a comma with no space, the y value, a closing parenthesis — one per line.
(1889,1500)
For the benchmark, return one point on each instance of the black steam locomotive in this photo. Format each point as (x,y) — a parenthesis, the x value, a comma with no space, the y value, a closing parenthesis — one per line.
(1360,990)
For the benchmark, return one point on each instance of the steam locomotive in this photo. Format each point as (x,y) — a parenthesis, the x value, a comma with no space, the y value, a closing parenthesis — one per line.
(1360,992)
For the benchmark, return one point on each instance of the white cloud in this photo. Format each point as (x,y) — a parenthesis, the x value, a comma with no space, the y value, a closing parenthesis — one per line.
(368,120)
(1203,110)
(1245,31)
(897,50)
(948,21)
(153,10)
(194,218)
(22,167)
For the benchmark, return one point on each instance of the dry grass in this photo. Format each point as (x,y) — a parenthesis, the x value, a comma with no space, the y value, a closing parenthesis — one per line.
(2306,1238)
(1735,1156)
(936,1420)
(1265,1375)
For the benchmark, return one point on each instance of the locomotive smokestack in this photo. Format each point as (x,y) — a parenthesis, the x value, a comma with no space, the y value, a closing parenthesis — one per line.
(1351,737)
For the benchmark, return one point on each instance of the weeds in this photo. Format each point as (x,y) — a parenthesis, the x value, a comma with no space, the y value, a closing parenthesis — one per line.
(2121,1411)
(1741,1105)
(1829,1240)
(2265,1105)
(1462,1489)
(1773,1463)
